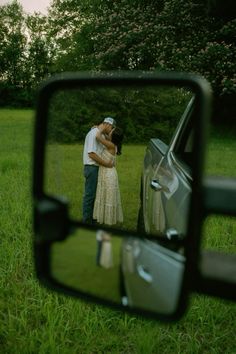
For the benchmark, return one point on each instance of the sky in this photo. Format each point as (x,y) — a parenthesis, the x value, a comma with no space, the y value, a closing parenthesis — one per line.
(31,5)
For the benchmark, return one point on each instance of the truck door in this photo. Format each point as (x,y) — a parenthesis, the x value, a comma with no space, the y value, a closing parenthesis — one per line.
(155,154)
(170,186)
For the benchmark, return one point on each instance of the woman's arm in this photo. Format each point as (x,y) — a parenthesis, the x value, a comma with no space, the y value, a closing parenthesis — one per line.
(100,161)
(104,141)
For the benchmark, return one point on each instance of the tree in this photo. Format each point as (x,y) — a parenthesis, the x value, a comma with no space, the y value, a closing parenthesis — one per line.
(40,51)
(13,42)
(163,35)
(181,35)
(25,54)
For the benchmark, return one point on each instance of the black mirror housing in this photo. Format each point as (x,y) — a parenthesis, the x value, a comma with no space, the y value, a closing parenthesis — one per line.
(52,222)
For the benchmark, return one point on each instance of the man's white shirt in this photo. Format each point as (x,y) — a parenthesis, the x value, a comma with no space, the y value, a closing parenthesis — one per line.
(91,144)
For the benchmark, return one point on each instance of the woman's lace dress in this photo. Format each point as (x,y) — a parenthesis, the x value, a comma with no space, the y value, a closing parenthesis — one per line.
(107,207)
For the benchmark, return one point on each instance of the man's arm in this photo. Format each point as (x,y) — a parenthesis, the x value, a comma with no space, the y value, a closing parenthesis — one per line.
(99,160)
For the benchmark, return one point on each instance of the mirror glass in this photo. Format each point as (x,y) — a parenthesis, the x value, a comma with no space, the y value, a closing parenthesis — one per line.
(143,178)
(133,272)
(148,185)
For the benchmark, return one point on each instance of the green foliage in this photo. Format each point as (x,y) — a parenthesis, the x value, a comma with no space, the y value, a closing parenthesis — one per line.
(25,56)
(142,113)
(180,35)
(149,35)
(11,96)
(12,43)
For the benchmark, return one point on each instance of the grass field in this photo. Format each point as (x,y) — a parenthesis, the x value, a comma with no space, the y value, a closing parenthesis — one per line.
(74,264)
(64,176)
(34,320)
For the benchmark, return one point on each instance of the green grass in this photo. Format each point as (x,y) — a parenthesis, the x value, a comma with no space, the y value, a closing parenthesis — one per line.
(64,176)
(74,264)
(34,320)
(220,159)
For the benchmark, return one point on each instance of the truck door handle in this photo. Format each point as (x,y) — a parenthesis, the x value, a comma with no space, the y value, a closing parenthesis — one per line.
(155,185)
(144,274)
(173,235)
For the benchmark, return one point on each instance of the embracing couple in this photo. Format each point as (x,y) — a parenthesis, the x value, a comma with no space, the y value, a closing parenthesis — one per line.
(101,201)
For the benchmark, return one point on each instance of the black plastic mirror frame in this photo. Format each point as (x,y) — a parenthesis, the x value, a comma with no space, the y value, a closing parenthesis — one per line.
(51,220)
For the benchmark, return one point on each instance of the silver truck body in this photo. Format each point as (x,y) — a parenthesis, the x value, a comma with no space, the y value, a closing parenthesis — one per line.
(152,274)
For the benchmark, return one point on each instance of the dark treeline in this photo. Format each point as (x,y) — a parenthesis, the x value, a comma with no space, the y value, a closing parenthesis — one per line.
(77,35)
(142,113)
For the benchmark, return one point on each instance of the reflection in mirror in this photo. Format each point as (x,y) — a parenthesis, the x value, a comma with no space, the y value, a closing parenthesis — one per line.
(151,177)
(132,272)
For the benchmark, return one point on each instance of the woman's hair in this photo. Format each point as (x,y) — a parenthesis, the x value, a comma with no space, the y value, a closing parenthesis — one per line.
(116,138)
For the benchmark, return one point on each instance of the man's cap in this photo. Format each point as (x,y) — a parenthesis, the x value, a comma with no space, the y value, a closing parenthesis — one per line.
(110,120)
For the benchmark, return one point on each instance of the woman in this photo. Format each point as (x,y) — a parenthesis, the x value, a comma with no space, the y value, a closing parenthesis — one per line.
(107,207)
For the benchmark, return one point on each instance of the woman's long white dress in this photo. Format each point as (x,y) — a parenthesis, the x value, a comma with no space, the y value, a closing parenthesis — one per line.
(107,207)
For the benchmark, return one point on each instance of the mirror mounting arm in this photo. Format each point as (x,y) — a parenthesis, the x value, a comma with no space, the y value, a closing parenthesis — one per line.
(216,272)
(219,196)
(217,275)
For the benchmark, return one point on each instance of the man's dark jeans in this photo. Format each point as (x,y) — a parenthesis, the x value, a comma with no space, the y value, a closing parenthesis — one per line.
(91,178)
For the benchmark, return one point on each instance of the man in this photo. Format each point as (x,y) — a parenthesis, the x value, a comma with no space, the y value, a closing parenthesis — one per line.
(92,159)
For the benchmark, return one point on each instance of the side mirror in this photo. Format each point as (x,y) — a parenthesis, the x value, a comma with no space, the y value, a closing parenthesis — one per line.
(145,264)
